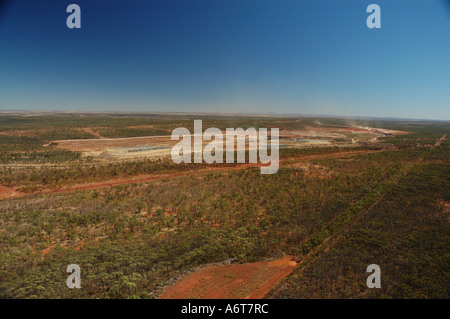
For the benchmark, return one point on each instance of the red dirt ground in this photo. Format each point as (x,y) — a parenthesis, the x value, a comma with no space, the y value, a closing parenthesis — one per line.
(7,192)
(52,246)
(235,281)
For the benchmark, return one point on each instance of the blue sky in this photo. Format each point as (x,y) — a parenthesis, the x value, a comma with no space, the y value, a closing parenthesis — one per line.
(249,56)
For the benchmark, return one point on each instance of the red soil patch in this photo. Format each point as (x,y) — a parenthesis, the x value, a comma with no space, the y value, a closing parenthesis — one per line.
(7,192)
(235,281)
(47,250)
(446,206)
(64,245)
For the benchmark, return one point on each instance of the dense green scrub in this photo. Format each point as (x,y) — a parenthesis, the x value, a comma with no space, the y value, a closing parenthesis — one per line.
(130,239)
(407,234)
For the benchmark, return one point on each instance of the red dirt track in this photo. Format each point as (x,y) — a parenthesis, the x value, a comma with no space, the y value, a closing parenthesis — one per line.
(144,178)
(6,192)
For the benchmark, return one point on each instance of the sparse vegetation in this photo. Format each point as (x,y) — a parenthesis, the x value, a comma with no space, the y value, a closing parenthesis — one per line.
(337,214)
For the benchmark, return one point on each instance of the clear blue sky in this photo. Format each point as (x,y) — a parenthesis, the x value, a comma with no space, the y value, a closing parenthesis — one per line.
(250,56)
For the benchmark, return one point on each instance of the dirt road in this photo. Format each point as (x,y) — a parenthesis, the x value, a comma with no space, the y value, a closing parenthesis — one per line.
(439,142)
(149,178)
(8,192)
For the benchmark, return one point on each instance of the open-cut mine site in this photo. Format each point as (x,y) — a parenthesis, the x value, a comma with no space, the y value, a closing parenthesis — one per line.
(160,146)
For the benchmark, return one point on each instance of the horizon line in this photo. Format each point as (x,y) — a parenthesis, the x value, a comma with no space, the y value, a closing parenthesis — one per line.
(274,114)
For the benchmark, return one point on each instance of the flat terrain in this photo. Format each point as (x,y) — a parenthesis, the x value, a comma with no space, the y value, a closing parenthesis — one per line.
(236,281)
(8,192)
(160,146)
(100,190)
(108,148)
